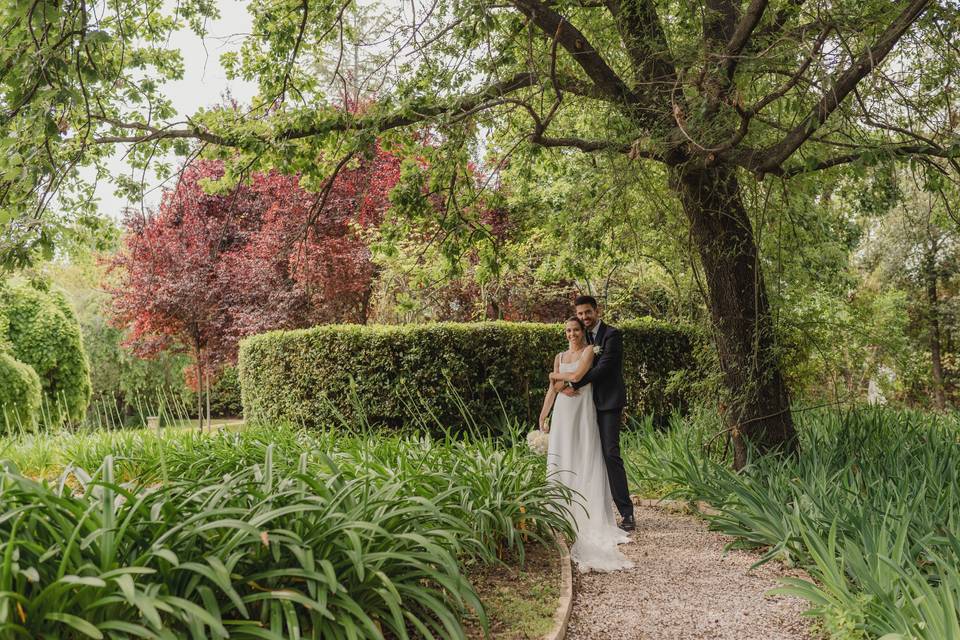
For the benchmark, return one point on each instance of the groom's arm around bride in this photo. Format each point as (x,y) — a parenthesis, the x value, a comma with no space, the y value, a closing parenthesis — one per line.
(606,375)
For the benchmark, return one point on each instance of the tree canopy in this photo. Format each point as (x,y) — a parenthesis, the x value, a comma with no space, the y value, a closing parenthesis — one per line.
(712,100)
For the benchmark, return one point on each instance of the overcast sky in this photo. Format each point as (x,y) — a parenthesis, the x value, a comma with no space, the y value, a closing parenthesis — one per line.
(204,84)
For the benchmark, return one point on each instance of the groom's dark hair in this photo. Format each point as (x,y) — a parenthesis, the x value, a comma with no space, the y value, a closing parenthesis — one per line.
(590,300)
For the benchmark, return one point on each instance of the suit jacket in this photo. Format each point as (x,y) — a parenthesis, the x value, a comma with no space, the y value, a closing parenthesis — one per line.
(606,374)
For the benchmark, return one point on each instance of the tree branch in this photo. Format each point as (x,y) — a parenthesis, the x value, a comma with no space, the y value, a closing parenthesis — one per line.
(741,34)
(156,133)
(305,8)
(719,21)
(897,151)
(340,123)
(795,78)
(552,24)
(589,146)
(780,18)
(484,99)
(643,37)
(748,114)
(751,159)
(580,88)
(594,146)
(843,84)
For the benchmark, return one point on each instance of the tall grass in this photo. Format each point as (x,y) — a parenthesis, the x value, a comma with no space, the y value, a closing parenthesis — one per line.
(265,533)
(870,508)
(103,414)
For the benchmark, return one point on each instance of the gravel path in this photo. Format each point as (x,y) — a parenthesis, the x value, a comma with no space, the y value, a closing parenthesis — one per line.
(684,587)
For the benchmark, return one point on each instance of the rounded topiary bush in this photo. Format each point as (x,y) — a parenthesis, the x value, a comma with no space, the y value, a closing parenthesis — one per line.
(19,395)
(42,332)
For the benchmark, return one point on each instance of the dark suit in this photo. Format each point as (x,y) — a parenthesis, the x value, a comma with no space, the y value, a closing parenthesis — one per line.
(610,396)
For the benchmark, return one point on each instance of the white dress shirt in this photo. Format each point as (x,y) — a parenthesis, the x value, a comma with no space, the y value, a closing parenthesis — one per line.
(593,332)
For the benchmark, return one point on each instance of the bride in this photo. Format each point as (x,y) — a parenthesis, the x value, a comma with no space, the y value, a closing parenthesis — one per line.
(575,459)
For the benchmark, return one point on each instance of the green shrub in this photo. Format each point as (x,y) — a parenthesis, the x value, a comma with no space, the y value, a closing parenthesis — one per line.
(19,395)
(402,375)
(44,333)
(224,395)
(123,380)
(5,345)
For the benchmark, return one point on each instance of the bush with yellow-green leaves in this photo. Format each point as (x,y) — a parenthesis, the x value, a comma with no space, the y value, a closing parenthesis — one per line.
(40,344)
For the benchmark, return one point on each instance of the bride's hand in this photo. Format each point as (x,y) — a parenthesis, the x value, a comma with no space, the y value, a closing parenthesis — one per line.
(544,426)
(554,376)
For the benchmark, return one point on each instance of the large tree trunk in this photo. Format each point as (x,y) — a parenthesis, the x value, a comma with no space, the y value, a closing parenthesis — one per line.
(759,410)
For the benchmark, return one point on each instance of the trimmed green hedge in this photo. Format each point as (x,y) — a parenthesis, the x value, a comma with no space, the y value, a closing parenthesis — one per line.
(399,374)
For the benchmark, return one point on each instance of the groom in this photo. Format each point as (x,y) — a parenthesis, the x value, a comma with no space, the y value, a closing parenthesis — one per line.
(610,397)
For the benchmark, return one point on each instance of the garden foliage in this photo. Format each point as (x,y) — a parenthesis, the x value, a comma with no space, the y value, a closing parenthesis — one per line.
(20,395)
(402,375)
(871,509)
(271,533)
(224,392)
(42,332)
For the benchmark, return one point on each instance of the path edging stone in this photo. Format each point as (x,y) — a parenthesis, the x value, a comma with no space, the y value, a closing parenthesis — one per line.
(561,618)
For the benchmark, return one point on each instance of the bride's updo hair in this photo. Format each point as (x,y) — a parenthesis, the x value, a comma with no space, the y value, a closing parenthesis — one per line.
(583,327)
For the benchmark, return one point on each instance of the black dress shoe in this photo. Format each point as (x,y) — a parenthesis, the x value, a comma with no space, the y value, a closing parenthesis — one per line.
(628,523)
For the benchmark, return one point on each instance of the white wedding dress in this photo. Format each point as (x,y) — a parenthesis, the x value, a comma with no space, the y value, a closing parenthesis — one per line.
(575,459)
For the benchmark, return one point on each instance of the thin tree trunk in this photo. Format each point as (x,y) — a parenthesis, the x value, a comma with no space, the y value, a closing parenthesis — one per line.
(852,386)
(207,385)
(933,315)
(759,411)
(199,391)
(493,310)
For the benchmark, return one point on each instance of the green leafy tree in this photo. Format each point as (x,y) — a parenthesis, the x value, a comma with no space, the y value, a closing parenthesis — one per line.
(833,334)
(124,387)
(708,97)
(120,380)
(915,247)
(617,233)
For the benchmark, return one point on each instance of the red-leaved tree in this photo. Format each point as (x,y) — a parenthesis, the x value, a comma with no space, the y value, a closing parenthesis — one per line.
(207,269)
(305,268)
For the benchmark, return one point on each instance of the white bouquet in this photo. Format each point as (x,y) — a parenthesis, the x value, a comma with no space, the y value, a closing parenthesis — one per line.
(538,441)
